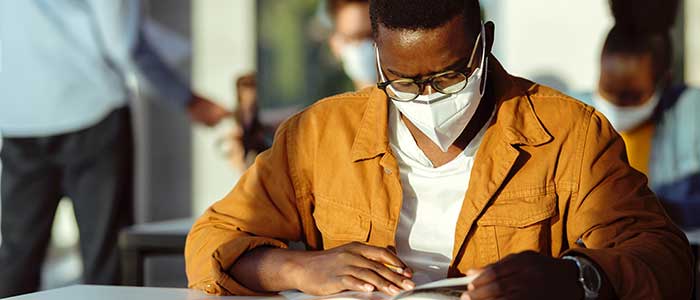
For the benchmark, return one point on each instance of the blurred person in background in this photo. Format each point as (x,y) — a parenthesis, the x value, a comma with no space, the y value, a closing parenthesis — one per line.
(351,40)
(657,120)
(66,128)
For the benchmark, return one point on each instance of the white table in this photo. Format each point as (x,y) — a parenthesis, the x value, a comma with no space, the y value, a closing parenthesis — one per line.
(93,292)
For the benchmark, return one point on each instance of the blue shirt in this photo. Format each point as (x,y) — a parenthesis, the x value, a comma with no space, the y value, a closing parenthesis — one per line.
(64,64)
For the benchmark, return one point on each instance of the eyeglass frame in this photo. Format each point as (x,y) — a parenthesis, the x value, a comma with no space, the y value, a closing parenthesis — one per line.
(431,79)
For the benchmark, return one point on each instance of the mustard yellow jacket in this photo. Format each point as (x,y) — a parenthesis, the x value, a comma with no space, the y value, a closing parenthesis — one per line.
(551,176)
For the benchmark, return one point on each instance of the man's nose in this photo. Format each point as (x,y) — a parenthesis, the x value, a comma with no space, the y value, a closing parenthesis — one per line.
(427,90)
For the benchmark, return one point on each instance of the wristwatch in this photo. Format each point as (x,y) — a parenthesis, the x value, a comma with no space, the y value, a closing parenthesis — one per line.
(588,275)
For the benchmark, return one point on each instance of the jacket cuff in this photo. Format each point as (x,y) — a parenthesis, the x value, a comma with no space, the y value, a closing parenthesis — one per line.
(223,259)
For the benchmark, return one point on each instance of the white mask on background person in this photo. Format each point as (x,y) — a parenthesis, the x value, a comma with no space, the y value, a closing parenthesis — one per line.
(626,118)
(442,118)
(359,61)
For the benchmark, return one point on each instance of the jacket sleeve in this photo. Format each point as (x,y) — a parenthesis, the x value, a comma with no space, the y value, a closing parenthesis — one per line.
(619,223)
(261,210)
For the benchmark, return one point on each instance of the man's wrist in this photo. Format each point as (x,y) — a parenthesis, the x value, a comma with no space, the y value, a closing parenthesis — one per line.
(573,276)
(590,278)
(291,268)
(267,269)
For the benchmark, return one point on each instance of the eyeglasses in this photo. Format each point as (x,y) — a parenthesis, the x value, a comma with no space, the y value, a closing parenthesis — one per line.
(448,82)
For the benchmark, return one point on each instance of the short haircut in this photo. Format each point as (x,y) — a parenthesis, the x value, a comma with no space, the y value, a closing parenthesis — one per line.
(643,27)
(334,6)
(422,14)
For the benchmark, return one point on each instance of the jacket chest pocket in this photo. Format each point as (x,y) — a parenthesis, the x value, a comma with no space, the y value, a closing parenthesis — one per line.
(340,224)
(516,224)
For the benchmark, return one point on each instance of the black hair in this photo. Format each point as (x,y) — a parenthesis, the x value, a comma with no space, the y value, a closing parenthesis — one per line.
(422,14)
(643,27)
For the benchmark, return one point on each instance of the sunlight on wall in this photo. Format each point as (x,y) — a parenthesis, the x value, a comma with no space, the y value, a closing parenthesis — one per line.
(538,38)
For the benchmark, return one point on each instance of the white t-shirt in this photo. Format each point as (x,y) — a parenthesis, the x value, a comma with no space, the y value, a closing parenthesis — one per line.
(432,200)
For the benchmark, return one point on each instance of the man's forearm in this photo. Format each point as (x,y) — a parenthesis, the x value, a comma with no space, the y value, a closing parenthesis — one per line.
(267,269)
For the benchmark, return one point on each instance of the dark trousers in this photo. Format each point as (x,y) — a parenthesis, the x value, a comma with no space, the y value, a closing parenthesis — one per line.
(93,167)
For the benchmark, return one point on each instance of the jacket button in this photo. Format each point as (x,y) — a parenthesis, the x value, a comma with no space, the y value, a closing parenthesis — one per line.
(387,171)
(210,289)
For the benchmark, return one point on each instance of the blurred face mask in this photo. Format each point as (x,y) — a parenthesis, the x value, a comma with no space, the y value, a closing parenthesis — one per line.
(358,61)
(626,118)
(441,117)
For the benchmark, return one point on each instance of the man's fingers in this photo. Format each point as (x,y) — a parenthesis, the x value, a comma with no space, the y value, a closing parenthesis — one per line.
(351,283)
(379,268)
(493,290)
(466,296)
(378,254)
(492,273)
(373,278)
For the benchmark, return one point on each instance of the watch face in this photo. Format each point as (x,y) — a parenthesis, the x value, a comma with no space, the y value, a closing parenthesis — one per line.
(591,278)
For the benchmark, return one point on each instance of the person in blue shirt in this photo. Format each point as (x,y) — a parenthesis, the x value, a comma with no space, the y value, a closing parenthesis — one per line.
(66,127)
(657,119)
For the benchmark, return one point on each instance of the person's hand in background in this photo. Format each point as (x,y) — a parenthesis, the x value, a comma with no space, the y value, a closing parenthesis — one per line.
(236,151)
(205,111)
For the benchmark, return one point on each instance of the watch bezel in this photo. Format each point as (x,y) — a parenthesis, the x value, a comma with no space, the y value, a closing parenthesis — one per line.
(591,286)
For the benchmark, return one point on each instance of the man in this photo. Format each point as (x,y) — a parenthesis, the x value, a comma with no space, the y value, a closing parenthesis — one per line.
(351,40)
(656,119)
(66,128)
(451,166)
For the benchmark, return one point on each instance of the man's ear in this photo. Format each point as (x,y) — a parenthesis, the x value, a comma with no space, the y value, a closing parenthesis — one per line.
(490,29)
(335,42)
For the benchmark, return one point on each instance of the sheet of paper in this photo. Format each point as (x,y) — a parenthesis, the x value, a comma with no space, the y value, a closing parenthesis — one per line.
(460,281)
(297,295)
(438,290)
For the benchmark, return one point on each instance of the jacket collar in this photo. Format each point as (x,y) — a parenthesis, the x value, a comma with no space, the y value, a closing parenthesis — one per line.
(372,138)
(515,118)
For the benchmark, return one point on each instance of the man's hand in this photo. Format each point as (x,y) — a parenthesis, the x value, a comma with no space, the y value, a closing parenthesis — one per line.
(205,111)
(526,275)
(355,267)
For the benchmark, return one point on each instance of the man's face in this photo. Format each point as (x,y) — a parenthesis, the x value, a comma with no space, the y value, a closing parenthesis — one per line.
(421,53)
(627,80)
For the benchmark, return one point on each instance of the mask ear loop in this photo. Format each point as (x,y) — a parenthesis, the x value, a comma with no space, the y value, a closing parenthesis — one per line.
(484,61)
(379,64)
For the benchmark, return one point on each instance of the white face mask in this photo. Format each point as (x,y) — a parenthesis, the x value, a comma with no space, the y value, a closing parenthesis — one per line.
(625,118)
(359,62)
(442,118)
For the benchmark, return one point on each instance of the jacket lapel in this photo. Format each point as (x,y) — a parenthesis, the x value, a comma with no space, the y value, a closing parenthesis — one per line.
(515,124)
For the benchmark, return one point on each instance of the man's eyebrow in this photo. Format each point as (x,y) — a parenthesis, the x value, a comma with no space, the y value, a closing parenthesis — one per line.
(454,66)
(399,74)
